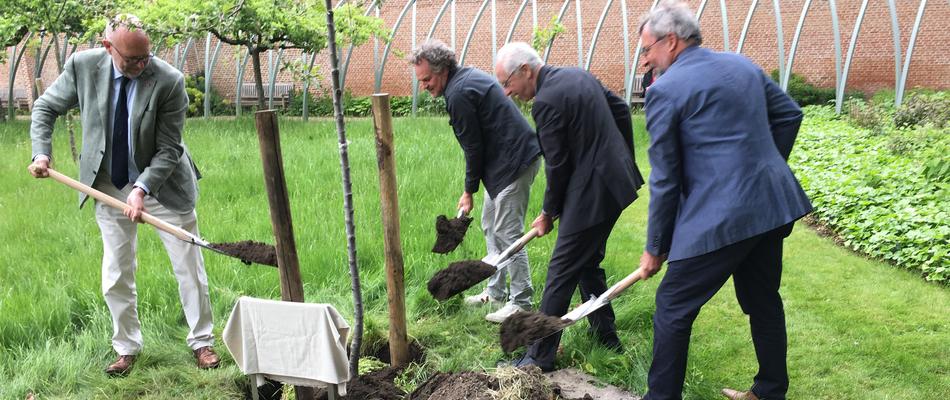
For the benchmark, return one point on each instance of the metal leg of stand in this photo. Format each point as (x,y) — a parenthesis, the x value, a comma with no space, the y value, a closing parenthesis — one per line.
(332,393)
(254,389)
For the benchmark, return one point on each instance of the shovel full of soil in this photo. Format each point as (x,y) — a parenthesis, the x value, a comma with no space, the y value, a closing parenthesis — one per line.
(450,232)
(524,328)
(462,275)
(247,251)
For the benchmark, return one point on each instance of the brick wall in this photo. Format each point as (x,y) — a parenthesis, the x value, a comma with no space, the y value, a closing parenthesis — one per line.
(872,67)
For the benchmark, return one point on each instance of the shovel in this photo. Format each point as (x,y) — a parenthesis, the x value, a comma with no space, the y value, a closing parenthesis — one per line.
(450,232)
(462,275)
(259,256)
(523,328)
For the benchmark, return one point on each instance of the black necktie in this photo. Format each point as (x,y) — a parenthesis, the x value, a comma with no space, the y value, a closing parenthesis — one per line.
(120,138)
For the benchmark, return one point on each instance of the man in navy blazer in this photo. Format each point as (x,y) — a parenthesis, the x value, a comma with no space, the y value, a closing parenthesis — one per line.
(722,197)
(586,138)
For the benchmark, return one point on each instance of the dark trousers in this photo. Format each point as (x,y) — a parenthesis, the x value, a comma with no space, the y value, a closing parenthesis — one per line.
(576,261)
(755,265)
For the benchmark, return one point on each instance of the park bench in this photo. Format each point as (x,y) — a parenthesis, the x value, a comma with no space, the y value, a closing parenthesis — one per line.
(20,98)
(282,93)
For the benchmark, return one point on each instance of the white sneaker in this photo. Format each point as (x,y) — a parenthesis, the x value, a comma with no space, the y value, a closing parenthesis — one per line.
(503,313)
(482,299)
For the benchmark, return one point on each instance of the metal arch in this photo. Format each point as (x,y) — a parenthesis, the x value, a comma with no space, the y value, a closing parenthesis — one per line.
(580,33)
(725,26)
(514,22)
(791,51)
(349,52)
(745,26)
(833,6)
(626,43)
(596,35)
(636,59)
(208,72)
(547,51)
(494,32)
(700,9)
(896,35)
(899,96)
(389,44)
(779,39)
(272,75)
(839,93)
(471,31)
(414,80)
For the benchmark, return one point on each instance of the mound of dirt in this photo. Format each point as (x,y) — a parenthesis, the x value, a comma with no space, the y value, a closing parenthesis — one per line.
(249,252)
(377,385)
(467,385)
(449,233)
(458,277)
(522,328)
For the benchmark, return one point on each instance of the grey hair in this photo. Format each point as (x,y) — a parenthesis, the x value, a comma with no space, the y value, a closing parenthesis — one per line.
(515,54)
(128,21)
(674,17)
(439,56)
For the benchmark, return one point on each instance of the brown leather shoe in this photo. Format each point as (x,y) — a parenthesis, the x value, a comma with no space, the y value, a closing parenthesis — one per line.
(737,395)
(206,358)
(121,366)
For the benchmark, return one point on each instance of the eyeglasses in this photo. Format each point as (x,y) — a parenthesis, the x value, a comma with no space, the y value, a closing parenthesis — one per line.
(508,80)
(645,50)
(134,60)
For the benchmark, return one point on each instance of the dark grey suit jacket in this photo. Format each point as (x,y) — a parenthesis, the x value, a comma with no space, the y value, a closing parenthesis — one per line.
(587,140)
(721,131)
(497,140)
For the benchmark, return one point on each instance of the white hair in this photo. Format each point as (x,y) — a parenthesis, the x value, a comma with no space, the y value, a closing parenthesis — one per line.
(127,21)
(515,54)
(672,17)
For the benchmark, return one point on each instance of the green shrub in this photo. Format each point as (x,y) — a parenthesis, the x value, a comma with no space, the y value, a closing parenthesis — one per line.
(920,108)
(317,106)
(195,87)
(883,194)
(863,114)
(806,94)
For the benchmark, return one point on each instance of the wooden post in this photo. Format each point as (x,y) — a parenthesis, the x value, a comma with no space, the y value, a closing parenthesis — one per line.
(291,287)
(389,205)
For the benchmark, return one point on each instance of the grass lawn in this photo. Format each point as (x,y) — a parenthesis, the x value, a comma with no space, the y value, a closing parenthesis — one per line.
(858,329)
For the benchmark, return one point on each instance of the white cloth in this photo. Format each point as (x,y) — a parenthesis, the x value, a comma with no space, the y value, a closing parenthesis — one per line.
(300,344)
(119,264)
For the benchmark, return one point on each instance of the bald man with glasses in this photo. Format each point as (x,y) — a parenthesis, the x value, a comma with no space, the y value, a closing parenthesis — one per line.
(133,111)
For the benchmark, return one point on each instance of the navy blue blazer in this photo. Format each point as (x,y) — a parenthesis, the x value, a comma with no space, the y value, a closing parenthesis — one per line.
(498,142)
(721,132)
(586,137)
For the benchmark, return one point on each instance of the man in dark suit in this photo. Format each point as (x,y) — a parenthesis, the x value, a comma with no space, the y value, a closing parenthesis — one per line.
(587,140)
(722,197)
(133,112)
(501,152)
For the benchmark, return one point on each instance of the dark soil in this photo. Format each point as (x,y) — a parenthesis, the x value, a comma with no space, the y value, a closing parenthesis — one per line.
(523,328)
(449,233)
(465,385)
(377,385)
(249,252)
(416,353)
(458,277)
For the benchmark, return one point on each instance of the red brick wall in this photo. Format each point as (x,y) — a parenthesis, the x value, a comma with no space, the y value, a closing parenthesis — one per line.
(872,68)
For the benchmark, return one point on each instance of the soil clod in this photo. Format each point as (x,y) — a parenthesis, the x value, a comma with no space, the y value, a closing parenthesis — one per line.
(249,252)
(449,233)
(523,328)
(468,385)
(458,277)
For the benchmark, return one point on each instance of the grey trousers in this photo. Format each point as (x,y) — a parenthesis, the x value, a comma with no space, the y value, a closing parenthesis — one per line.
(503,224)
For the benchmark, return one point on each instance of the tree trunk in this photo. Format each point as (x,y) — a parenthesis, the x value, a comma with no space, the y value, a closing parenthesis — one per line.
(347,197)
(258,79)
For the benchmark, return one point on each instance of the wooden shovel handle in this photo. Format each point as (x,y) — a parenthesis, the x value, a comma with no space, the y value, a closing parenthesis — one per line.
(518,245)
(119,205)
(619,287)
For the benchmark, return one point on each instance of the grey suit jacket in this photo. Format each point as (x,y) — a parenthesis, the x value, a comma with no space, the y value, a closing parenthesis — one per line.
(157,120)
(721,131)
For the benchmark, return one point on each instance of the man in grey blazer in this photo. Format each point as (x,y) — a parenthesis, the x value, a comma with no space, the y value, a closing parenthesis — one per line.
(501,153)
(722,197)
(132,107)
